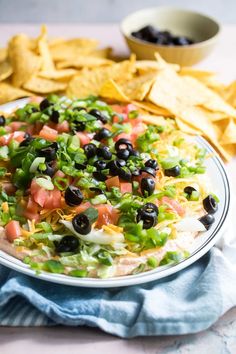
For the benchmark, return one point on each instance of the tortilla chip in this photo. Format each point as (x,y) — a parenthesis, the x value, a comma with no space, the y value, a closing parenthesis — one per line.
(151,119)
(5,70)
(24,61)
(43,86)
(58,74)
(112,91)
(9,93)
(152,108)
(72,49)
(43,48)
(162,64)
(84,61)
(3,54)
(186,128)
(89,82)
(138,87)
(229,135)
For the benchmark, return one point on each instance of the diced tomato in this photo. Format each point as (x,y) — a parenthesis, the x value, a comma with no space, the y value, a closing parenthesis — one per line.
(123,136)
(63,127)
(116,119)
(128,108)
(137,130)
(117,108)
(125,187)
(173,205)
(82,207)
(59,173)
(106,215)
(32,206)
(112,182)
(12,230)
(36,99)
(6,139)
(48,133)
(16,125)
(83,137)
(46,199)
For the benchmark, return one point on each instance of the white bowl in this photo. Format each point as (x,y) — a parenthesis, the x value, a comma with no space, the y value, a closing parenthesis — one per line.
(205,241)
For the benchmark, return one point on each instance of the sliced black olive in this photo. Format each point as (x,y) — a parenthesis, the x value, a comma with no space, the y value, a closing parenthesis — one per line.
(152,164)
(79,126)
(123,143)
(123,154)
(136,173)
(44,104)
(96,190)
(34,110)
(207,220)
(114,166)
(210,204)
(148,215)
(2,121)
(100,165)
(104,151)
(79,109)
(134,153)
(149,170)
(125,174)
(99,115)
(90,150)
(27,140)
(49,152)
(67,244)
(50,169)
(189,190)
(80,166)
(147,186)
(99,176)
(73,196)
(54,117)
(81,224)
(172,172)
(102,134)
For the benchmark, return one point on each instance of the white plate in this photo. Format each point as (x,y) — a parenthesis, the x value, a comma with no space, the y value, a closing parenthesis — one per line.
(220,183)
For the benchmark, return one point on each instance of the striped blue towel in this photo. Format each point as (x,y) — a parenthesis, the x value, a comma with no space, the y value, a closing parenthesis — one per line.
(186,302)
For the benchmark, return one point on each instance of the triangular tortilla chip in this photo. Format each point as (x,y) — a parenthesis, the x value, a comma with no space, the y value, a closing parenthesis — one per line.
(229,135)
(9,93)
(44,86)
(112,91)
(5,70)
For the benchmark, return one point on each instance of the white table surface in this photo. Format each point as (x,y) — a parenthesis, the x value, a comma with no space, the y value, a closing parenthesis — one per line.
(220,338)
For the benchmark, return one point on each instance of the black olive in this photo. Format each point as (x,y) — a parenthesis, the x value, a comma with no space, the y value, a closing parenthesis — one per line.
(49,152)
(152,163)
(104,151)
(27,140)
(149,171)
(123,143)
(123,154)
(67,244)
(2,121)
(207,220)
(81,224)
(50,169)
(90,150)
(96,190)
(102,134)
(134,153)
(148,215)
(79,126)
(80,166)
(147,186)
(210,204)
(79,109)
(136,173)
(125,174)
(114,166)
(100,165)
(34,110)
(189,190)
(99,176)
(172,172)
(73,196)
(44,104)
(54,117)
(99,115)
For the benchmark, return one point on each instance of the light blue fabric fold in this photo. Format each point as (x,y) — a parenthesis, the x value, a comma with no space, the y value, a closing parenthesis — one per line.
(186,302)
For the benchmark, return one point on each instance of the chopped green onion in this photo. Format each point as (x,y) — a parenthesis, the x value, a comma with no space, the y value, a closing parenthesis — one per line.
(79,273)
(152,262)
(61,183)
(45,182)
(35,164)
(53,266)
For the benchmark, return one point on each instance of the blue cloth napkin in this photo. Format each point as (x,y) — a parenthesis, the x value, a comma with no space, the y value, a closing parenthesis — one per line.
(186,302)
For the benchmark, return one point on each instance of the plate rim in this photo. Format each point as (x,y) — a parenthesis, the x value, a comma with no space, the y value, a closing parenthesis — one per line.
(136,279)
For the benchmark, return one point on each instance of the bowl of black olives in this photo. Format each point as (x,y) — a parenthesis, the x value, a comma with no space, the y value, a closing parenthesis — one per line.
(180,36)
